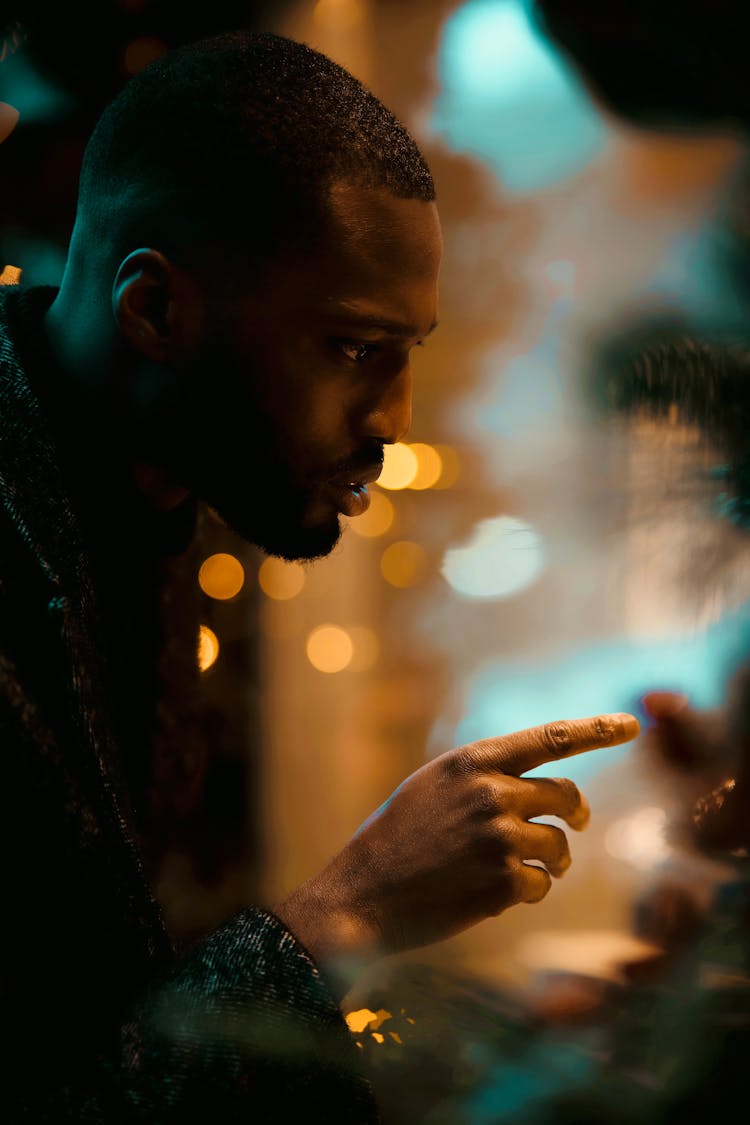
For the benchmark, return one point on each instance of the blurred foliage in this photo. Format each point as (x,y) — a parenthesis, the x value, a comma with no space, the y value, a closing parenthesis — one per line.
(658,65)
(665,1043)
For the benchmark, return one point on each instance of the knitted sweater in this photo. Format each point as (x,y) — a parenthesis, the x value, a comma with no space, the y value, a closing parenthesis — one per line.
(104,1022)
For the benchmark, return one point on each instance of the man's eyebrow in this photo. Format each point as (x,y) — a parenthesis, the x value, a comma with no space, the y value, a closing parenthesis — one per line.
(384,324)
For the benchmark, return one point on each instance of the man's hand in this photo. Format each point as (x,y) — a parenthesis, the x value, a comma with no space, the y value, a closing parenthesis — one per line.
(454,844)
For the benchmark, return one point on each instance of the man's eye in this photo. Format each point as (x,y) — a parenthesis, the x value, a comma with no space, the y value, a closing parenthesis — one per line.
(357,352)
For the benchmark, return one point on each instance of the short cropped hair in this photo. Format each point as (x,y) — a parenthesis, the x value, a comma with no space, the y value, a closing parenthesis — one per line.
(228,146)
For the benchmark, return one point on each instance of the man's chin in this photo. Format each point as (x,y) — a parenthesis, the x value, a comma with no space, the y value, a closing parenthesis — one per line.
(290,543)
(304,546)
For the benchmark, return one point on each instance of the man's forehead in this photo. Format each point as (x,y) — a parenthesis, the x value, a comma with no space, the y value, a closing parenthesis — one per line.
(394,321)
(360,213)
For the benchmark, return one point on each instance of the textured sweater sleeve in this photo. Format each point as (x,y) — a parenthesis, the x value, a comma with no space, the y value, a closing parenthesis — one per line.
(244,1029)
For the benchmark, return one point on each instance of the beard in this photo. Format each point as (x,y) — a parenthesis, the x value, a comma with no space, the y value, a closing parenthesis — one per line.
(209,430)
(265,507)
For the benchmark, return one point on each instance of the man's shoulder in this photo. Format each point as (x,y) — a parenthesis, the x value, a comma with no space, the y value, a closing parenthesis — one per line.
(8,299)
(21,310)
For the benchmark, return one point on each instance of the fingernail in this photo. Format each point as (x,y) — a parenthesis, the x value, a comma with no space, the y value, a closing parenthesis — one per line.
(581,817)
(628,724)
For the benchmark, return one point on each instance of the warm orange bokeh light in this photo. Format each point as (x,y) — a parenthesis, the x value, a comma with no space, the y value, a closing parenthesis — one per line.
(429,466)
(451,466)
(280,580)
(208,647)
(221,576)
(339,14)
(329,648)
(399,466)
(141,52)
(377,519)
(366,647)
(403,563)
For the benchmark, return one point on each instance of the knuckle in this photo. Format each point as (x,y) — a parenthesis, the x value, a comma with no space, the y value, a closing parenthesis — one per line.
(500,834)
(557,737)
(485,798)
(555,838)
(460,762)
(514,881)
(605,729)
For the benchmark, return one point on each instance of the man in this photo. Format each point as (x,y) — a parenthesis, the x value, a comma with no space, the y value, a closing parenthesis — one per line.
(255,254)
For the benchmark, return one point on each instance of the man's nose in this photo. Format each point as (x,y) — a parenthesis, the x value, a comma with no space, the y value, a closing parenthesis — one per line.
(390,417)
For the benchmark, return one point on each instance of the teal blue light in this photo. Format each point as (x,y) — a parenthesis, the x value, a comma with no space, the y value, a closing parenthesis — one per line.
(41,262)
(611,676)
(518,1086)
(508,97)
(34,96)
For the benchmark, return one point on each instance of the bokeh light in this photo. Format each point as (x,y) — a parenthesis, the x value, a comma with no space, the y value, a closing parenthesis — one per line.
(429,466)
(339,14)
(403,563)
(503,557)
(208,647)
(330,648)
(450,464)
(377,519)
(366,648)
(508,96)
(399,466)
(639,838)
(221,576)
(141,52)
(280,580)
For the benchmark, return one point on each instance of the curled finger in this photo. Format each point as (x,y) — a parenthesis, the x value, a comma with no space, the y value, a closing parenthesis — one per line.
(552,796)
(534,882)
(548,845)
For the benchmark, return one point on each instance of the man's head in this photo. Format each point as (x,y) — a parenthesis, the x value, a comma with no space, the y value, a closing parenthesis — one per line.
(265,233)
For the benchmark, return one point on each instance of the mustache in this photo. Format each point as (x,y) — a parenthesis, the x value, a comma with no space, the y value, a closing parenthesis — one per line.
(365,460)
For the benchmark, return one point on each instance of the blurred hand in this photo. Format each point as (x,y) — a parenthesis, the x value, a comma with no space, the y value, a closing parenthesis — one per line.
(710,750)
(454,844)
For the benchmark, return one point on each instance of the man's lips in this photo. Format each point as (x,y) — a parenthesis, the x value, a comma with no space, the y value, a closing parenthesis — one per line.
(357,478)
(350,489)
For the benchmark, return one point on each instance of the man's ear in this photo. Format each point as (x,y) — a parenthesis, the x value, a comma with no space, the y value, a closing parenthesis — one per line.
(149,302)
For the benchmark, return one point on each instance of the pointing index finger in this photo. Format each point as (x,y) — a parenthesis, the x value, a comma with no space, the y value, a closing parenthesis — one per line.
(524,750)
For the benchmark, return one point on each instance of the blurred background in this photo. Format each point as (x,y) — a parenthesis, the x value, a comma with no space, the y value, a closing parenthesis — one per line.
(539,547)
